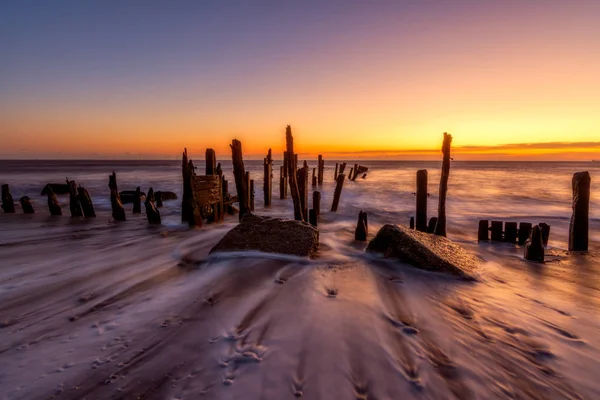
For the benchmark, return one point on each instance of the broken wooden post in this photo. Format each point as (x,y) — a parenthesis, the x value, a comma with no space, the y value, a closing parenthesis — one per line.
(336,171)
(289,139)
(137,201)
(86,202)
(152,212)
(431,225)
(421,220)
(362,227)
(545,233)
(312,218)
(524,232)
(286,164)
(579,226)
(158,198)
(26,205)
(496,228)
(321,168)
(342,168)
(251,193)
(74,202)
(351,174)
(302,178)
(411,224)
(219,172)
(440,228)
(239,173)
(282,183)
(482,231)
(316,203)
(8,204)
(338,191)
(510,232)
(534,247)
(187,200)
(53,204)
(211,162)
(268,179)
(118,212)
(314,177)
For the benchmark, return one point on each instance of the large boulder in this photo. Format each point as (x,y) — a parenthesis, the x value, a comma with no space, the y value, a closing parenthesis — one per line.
(271,235)
(425,251)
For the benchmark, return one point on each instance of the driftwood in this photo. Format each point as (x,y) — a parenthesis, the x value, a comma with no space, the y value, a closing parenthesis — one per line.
(362,227)
(440,228)
(118,212)
(86,202)
(291,167)
(53,204)
(137,201)
(321,169)
(211,162)
(74,202)
(579,226)
(152,212)
(421,220)
(8,204)
(239,173)
(26,205)
(338,192)
(57,188)
(534,247)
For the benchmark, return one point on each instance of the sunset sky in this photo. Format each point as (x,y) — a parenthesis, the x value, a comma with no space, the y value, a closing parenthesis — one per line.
(512,79)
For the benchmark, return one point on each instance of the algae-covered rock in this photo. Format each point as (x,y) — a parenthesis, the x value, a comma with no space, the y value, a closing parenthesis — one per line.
(271,235)
(425,251)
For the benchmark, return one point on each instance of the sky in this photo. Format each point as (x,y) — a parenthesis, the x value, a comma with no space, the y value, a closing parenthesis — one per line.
(512,79)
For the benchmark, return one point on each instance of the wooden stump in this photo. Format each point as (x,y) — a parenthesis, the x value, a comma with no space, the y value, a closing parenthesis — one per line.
(431,224)
(137,201)
(411,224)
(268,179)
(336,171)
(421,220)
(351,174)
(251,193)
(26,205)
(152,212)
(312,217)
(8,204)
(545,233)
(496,229)
(158,198)
(510,232)
(524,232)
(211,162)
(579,226)
(239,173)
(482,230)
(338,192)
(86,202)
(189,210)
(534,247)
(74,201)
(53,204)
(440,228)
(302,177)
(362,227)
(298,211)
(316,203)
(282,183)
(342,168)
(314,177)
(118,212)
(321,170)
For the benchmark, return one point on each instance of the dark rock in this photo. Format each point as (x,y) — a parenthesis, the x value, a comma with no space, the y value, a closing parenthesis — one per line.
(129,196)
(166,195)
(425,251)
(57,188)
(271,235)
(26,205)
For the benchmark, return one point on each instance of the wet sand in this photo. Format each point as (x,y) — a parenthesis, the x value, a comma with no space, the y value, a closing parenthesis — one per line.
(101,310)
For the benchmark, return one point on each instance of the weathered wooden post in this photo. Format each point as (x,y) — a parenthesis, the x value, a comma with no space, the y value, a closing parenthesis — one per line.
(268,179)
(211,162)
(342,168)
(26,205)
(321,168)
(421,220)
(431,225)
(219,171)
(314,177)
(579,226)
(286,164)
(362,227)
(316,203)
(239,173)
(338,192)
(158,199)
(312,218)
(86,202)
(534,247)
(289,139)
(336,171)
(496,229)
(440,227)
(351,174)
(302,177)
(251,193)
(411,224)
(282,183)
(187,200)
(510,232)
(118,212)
(524,232)
(137,201)
(53,204)
(482,230)
(8,204)
(545,233)
(152,212)
(74,201)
